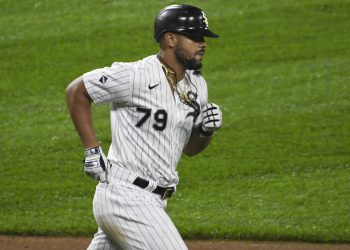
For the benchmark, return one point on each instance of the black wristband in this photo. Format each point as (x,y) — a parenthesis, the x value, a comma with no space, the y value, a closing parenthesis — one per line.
(205,133)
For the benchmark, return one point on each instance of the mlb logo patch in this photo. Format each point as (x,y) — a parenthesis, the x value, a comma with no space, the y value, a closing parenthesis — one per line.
(103,79)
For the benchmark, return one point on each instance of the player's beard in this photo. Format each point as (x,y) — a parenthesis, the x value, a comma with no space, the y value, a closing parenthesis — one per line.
(188,63)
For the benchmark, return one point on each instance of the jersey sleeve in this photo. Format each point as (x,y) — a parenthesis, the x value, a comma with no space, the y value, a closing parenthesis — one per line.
(109,84)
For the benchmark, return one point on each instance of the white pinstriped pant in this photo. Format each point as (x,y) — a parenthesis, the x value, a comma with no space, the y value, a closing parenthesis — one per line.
(130,217)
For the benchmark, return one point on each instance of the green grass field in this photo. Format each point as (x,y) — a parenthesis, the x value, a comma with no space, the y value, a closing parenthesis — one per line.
(279,169)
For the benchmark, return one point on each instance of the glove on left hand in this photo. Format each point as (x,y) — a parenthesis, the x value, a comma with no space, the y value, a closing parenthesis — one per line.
(211,119)
(95,164)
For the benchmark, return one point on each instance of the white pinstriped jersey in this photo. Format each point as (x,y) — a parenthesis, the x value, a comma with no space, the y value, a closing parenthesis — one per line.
(150,125)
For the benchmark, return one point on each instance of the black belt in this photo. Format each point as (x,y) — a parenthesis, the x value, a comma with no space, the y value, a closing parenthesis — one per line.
(164,192)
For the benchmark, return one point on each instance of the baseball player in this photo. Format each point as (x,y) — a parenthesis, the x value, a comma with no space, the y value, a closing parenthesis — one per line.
(159,110)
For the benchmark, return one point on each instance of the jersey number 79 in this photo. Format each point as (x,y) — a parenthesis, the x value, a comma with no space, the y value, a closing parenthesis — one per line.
(160,118)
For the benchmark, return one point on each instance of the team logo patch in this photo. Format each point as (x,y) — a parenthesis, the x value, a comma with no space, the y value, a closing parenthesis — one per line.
(205,19)
(103,79)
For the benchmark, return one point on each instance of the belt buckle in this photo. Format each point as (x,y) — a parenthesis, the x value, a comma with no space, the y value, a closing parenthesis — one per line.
(167,193)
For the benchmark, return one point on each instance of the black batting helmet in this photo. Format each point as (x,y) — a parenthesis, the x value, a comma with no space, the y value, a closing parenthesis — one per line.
(184,19)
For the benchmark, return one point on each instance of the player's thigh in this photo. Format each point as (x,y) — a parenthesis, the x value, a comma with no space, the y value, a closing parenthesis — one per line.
(136,221)
(166,235)
(157,229)
(144,228)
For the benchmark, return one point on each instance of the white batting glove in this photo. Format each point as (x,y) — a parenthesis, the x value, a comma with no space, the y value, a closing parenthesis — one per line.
(95,164)
(211,119)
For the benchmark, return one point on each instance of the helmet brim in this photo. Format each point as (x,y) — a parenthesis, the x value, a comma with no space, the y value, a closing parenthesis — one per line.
(210,33)
(199,32)
(191,33)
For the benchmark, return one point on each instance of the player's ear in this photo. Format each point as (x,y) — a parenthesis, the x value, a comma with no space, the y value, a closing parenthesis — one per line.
(170,39)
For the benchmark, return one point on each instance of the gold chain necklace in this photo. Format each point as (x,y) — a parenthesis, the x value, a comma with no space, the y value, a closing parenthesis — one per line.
(183,88)
(187,95)
(169,73)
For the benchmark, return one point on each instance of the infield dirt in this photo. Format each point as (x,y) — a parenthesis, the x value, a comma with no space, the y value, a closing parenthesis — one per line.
(77,243)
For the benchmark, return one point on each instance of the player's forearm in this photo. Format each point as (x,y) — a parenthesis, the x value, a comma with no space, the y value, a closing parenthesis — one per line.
(196,143)
(79,107)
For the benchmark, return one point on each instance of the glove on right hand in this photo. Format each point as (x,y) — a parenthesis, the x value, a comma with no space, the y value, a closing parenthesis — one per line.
(95,164)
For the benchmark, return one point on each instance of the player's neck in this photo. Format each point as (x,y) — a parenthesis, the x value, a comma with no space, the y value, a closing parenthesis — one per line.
(171,62)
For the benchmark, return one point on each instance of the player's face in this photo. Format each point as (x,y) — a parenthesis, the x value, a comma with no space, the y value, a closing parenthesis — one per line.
(189,51)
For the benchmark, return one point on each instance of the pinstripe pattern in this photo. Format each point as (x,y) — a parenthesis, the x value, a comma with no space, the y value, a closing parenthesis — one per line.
(130,217)
(157,153)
